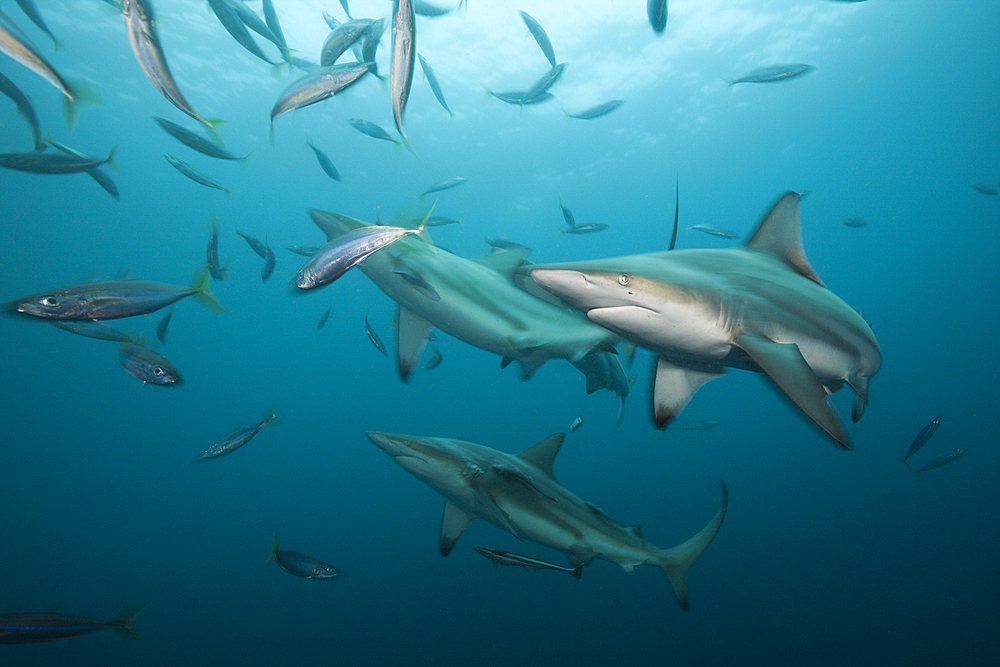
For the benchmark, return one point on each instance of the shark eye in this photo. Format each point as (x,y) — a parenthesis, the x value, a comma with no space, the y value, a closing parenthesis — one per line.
(50,301)
(624,278)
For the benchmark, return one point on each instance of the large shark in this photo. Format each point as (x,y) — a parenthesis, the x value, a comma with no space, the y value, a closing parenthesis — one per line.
(760,307)
(519,493)
(477,301)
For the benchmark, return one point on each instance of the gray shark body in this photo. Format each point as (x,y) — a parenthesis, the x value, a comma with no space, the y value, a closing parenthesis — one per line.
(760,307)
(519,494)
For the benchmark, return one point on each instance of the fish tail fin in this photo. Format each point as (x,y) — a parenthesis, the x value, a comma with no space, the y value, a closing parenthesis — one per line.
(272,418)
(81,94)
(272,133)
(561,232)
(229,192)
(486,90)
(110,160)
(729,86)
(213,125)
(243,160)
(676,561)
(125,621)
(906,463)
(273,556)
(203,292)
(578,572)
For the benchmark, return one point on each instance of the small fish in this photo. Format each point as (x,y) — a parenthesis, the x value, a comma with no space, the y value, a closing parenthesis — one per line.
(712,230)
(446,184)
(597,111)
(31,11)
(520,98)
(433,83)
(430,11)
(567,215)
(547,81)
(197,142)
(231,21)
(772,74)
(373,337)
(316,87)
(340,254)
(921,438)
(113,299)
(24,108)
(942,460)
(656,11)
(589,228)
(269,261)
(369,46)
(404,46)
(324,318)
(324,162)
(341,39)
(97,174)
(531,563)
(306,567)
(147,365)
(504,244)
(576,424)
(237,438)
(197,176)
(536,30)
(254,22)
(271,20)
(94,329)
(435,359)
(856,223)
(37,627)
(439,221)
(343,3)
(986,189)
(255,245)
(371,129)
(161,328)
(212,249)
(145,41)
(54,163)
(305,250)
(694,426)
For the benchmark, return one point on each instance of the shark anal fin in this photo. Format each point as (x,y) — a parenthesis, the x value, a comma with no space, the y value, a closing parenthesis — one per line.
(784,364)
(673,387)
(412,339)
(454,521)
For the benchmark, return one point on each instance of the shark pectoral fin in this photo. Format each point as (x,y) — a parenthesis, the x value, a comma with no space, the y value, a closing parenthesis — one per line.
(676,561)
(673,387)
(784,364)
(860,387)
(542,454)
(454,521)
(411,341)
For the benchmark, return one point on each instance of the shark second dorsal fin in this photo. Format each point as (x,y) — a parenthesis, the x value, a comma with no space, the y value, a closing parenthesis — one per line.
(542,454)
(505,263)
(454,521)
(780,234)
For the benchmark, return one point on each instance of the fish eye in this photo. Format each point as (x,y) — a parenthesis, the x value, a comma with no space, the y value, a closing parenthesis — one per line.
(50,301)
(624,278)
(157,371)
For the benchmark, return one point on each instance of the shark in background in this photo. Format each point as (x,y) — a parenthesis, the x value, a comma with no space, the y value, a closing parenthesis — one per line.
(519,494)
(760,307)
(477,301)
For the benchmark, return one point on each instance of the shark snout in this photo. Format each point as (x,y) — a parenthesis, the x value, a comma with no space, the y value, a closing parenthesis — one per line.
(564,283)
(391,444)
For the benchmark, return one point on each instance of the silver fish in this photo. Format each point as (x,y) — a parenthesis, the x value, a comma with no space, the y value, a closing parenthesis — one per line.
(229,19)
(446,184)
(147,365)
(323,318)
(197,142)
(337,256)
(94,329)
(547,80)
(856,223)
(324,162)
(713,230)
(576,424)
(433,83)
(373,337)
(196,175)
(37,627)
(306,250)
(942,460)
(656,11)
(31,11)
(341,39)
(161,328)
(921,438)
(404,47)
(772,74)
(531,563)
(536,30)
(98,174)
(588,228)
(422,8)
(255,245)
(567,215)
(24,108)
(369,46)
(371,129)
(236,439)
(212,249)
(521,98)
(54,163)
(316,87)
(298,564)
(597,111)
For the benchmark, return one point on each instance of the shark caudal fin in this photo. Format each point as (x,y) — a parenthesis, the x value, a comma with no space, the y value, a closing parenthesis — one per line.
(676,561)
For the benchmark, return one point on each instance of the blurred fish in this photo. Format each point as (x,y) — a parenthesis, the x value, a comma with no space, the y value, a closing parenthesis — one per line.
(426,9)
(324,318)
(24,108)
(231,21)
(54,163)
(546,81)
(212,250)
(598,111)
(237,438)
(371,129)
(713,230)
(341,39)
(94,329)
(520,98)
(37,627)
(504,244)
(316,87)
(197,176)
(343,3)
(433,82)
(986,189)
(369,46)
(141,27)
(269,261)
(942,460)
(694,426)
(588,228)
(437,221)
(324,162)
(856,223)
(531,563)
(921,439)
(31,11)
(772,74)
(373,337)
(98,174)
(255,23)
(271,19)
(291,562)
(404,47)
(656,10)
(435,359)
(197,142)
(306,250)
(567,215)
(536,30)
(113,299)
(161,328)
(147,365)
(307,66)
(446,184)
(576,424)
(331,21)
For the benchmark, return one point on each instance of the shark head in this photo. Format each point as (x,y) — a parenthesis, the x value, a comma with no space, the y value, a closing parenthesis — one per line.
(436,461)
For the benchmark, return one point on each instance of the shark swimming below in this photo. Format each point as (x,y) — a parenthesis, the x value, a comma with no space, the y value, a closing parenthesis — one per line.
(519,493)
(760,307)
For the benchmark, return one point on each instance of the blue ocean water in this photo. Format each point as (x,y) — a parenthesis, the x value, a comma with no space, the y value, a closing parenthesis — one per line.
(825,558)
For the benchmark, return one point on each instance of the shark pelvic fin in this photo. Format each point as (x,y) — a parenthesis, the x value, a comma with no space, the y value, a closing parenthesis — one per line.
(505,263)
(454,521)
(676,561)
(673,387)
(496,513)
(785,365)
(411,341)
(542,454)
(860,387)
(780,234)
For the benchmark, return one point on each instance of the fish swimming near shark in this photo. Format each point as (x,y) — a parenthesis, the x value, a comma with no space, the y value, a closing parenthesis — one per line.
(519,493)
(759,307)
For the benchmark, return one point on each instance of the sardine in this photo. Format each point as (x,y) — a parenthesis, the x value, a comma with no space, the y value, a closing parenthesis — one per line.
(236,439)
(196,175)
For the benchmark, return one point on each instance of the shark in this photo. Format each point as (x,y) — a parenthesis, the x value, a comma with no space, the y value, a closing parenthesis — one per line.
(760,307)
(519,493)
(478,302)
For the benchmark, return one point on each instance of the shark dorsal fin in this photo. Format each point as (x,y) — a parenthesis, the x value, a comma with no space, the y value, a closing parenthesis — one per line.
(505,263)
(780,234)
(334,224)
(543,453)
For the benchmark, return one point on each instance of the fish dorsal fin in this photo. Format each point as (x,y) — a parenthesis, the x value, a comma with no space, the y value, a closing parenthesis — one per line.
(505,263)
(780,234)
(542,454)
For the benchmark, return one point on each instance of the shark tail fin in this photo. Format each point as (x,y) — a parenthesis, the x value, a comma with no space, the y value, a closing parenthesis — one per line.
(676,561)
(272,557)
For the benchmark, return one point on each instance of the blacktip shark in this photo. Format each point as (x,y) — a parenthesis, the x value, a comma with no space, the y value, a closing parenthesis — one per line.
(477,301)
(760,307)
(519,493)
